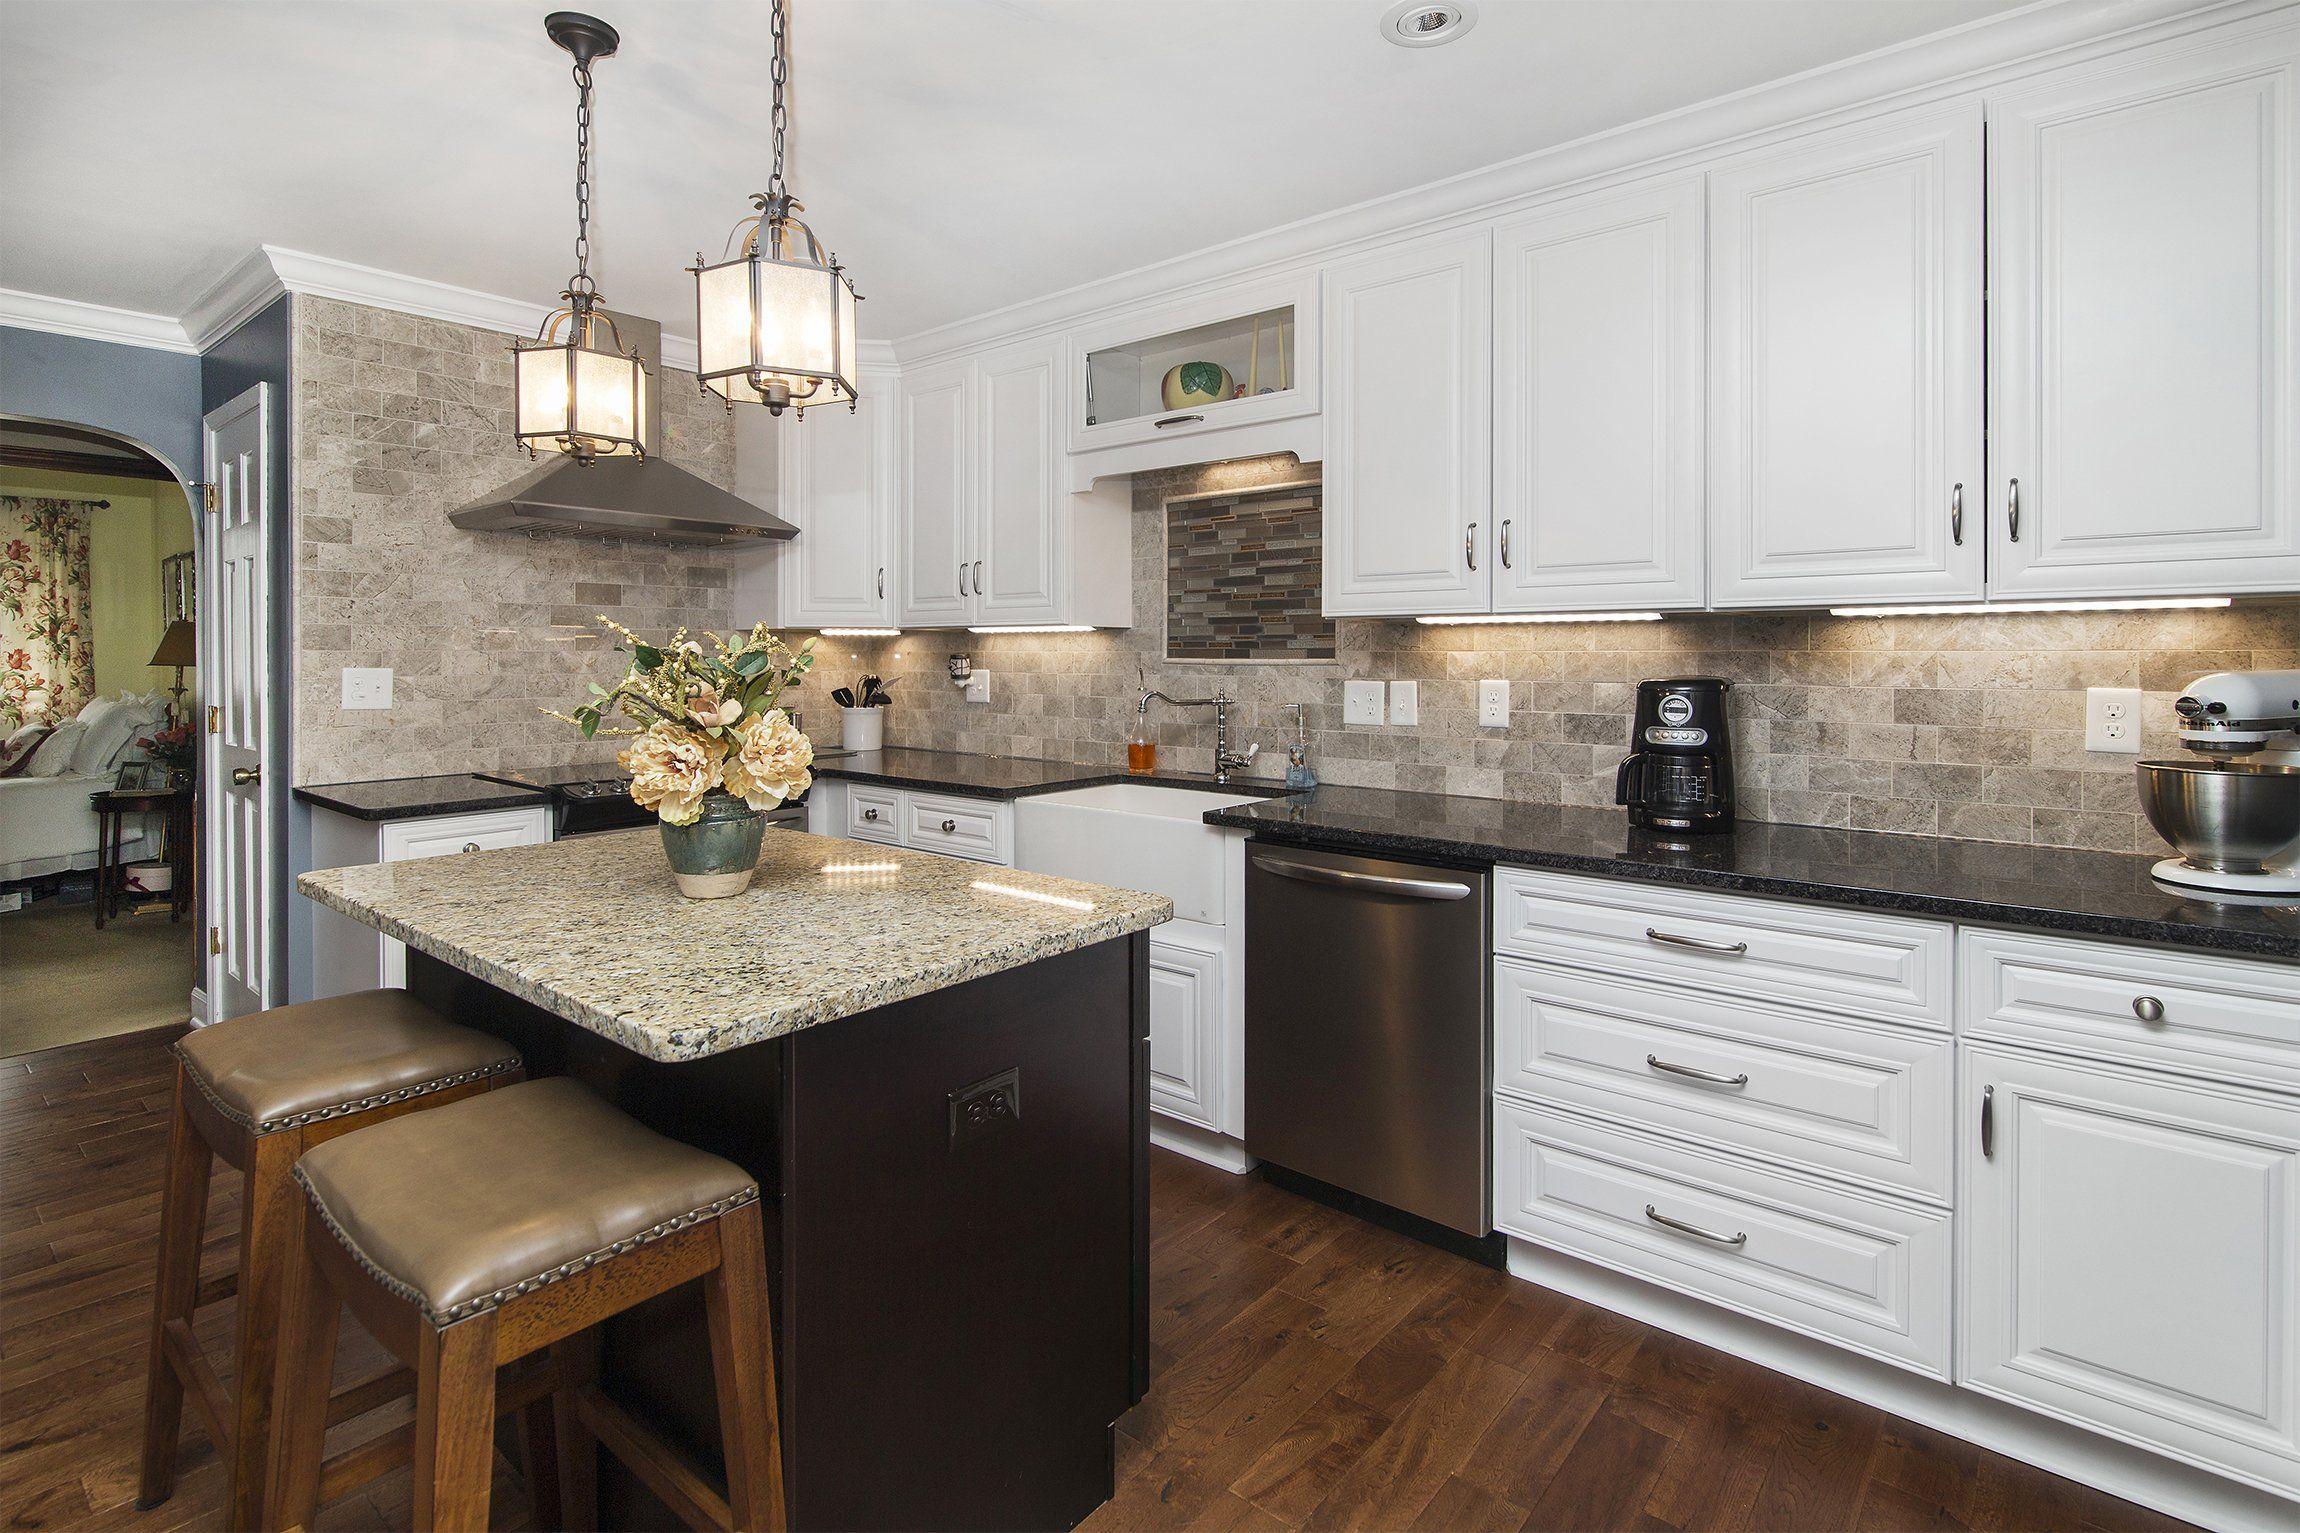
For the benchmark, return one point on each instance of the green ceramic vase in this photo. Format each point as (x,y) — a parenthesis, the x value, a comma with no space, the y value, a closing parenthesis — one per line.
(715,857)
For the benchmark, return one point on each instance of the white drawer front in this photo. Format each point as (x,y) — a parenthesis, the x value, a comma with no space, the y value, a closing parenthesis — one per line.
(2214,1017)
(443,835)
(1835,1096)
(1879,966)
(956,827)
(1862,1272)
(874,814)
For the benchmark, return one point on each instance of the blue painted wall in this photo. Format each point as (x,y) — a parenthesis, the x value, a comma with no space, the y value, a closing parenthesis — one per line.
(151,397)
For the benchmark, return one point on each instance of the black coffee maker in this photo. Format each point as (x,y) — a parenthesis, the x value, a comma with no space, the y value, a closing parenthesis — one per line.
(1679,774)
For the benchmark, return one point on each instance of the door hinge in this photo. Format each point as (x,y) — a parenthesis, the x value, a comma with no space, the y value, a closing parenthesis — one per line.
(215,940)
(214,728)
(208,496)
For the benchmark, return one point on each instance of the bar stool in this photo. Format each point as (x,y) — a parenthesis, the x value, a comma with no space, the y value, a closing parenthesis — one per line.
(470,1237)
(259,1090)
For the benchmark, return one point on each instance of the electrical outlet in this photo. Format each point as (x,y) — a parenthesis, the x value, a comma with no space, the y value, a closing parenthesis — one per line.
(1493,705)
(1405,702)
(2112,719)
(1361,702)
(366,686)
(985,1108)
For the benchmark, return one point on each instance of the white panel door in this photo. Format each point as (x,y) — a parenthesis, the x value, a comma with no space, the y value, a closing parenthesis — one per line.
(1845,405)
(1186,1032)
(2132,1257)
(934,515)
(1409,428)
(2144,229)
(1598,394)
(244,907)
(837,489)
(1018,548)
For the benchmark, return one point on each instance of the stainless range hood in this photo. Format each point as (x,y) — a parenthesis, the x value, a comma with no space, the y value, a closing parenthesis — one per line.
(653,501)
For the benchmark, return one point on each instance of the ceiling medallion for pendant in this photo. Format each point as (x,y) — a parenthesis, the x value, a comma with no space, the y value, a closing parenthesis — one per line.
(775,321)
(578,391)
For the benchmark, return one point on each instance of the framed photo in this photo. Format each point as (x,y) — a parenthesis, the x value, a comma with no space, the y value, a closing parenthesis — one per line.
(142,777)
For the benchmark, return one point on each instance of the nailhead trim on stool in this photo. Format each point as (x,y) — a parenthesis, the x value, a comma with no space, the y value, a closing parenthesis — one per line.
(339,1109)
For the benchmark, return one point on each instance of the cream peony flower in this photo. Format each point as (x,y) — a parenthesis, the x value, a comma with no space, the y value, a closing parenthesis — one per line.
(770,761)
(671,769)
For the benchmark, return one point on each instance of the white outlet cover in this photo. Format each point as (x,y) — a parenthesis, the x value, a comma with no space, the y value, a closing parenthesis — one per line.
(1493,705)
(2112,719)
(1405,702)
(366,686)
(1361,702)
(978,687)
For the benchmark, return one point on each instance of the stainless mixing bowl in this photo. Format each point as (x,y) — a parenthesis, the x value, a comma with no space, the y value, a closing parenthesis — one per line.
(2227,816)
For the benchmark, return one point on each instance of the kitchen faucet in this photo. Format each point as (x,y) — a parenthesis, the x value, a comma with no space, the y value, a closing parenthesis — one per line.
(1224,762)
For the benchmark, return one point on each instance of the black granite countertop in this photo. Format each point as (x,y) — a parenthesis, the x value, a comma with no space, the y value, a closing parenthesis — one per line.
(2095,894)
(972,776)
(410,798)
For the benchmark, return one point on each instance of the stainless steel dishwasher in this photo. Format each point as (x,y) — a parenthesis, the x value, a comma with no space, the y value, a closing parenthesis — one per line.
(1366,1035)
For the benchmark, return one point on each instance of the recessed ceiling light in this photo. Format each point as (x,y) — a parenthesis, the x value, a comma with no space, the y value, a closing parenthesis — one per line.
(1427,23)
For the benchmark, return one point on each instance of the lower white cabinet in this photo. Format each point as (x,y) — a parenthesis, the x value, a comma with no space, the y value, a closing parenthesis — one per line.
(949,825)
(349,956)
(2132,1257)
(1187,1079)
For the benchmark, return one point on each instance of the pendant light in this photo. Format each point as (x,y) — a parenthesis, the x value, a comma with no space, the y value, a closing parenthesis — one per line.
(578,391)
(775,323)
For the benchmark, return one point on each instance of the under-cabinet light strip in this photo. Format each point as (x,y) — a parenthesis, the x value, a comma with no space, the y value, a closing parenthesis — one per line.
(1033,628)
(1993,608)
(860,633)
(1465,619)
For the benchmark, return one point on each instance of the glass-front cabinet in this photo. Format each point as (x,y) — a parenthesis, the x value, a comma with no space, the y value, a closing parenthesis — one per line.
(1238,363)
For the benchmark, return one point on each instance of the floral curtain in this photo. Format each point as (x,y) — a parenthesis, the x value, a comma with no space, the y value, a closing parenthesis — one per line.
(45,633)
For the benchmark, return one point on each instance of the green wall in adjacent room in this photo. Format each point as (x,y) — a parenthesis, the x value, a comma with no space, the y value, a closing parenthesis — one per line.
(146,521)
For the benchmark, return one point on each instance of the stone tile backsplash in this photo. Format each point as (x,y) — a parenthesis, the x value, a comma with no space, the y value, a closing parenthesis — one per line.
(1968,727)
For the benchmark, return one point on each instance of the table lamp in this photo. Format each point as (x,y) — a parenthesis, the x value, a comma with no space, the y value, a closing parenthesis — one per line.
(179,648)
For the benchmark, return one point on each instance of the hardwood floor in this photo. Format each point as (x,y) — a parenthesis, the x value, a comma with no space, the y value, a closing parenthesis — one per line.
(1310,1371)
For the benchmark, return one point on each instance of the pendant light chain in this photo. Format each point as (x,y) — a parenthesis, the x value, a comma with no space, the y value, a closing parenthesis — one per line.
(581,286)
(778,190)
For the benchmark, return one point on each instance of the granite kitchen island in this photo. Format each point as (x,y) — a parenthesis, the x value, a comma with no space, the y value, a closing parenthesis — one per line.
(938,1072)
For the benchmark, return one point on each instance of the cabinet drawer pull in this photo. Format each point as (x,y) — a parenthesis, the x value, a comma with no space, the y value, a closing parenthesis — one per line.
(949,827)
(471,846)
(1737,1239)
(2148,1008)
(962,577)
(1469,544)
(1957,516)
(1697,944)
(1177,420)
(978,577)
(1505,542)
(1988,1122)
(2012,511)
(1654,1061)
(882,582)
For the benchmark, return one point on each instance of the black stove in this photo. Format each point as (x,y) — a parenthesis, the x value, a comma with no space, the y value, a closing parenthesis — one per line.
(597,797)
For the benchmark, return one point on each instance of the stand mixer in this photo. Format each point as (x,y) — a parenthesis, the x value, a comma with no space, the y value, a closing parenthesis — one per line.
(2234,814)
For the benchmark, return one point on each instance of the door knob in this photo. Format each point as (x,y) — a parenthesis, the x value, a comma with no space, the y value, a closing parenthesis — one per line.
(242,776)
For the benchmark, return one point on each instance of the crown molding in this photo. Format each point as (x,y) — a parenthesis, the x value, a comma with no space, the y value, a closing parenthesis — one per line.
(232,300)
(93,321)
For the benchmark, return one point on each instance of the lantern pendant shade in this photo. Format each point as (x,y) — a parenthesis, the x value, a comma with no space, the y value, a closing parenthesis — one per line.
(579,396)
(776,332)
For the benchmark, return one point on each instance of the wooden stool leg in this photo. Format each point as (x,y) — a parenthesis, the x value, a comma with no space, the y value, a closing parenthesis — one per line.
(308,1316)
(455,1426)
(743,1360)
(577,1361)
(183,1218)
(270,1221)
(539,1463)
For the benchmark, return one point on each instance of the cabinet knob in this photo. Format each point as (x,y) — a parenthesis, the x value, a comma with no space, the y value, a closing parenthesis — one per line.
(870,814)
(471,846)
(949,827)
(2148,1008)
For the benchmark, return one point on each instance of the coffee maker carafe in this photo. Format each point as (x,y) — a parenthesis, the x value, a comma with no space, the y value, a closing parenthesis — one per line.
(1679,772)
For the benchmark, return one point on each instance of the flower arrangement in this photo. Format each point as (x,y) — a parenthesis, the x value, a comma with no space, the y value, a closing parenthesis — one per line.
(176,747)
(706,720)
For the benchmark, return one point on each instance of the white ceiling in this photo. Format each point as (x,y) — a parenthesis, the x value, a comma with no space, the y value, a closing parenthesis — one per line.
(960,155)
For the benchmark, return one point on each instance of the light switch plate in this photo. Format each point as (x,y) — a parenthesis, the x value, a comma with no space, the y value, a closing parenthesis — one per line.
(1361,702)
(2112,719)
(1405,702)
(978,687)
(366,686)
(1493,705)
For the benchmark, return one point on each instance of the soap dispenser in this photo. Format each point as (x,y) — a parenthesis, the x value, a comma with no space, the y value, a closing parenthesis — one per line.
(1299,777)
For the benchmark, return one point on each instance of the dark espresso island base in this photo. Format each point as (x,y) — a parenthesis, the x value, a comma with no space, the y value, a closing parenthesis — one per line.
(957,1198)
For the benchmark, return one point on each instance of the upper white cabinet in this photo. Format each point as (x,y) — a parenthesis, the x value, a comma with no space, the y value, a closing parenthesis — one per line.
(1845,403)
(987,533)
(2144,230)
(837,488)
(1597,450)
(1409,426)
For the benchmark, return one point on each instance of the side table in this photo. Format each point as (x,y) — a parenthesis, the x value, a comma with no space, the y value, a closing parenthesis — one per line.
(112,807)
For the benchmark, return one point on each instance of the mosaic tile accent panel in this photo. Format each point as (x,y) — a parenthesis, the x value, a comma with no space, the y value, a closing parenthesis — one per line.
(1243,572)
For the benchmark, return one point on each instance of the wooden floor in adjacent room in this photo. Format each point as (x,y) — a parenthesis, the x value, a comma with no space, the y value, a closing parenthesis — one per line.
(1310,1371)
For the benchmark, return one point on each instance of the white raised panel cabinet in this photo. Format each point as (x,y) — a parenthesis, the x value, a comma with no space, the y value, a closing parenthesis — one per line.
(2144,228)
(1845,404)
(934,520)
(1597,452)
(1186,1032)
(1409,428)
(2132,1258)
(1017,564)
(348,956)
(837,488)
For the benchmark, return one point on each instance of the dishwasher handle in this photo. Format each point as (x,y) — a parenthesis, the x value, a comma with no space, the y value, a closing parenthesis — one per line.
(1374,883)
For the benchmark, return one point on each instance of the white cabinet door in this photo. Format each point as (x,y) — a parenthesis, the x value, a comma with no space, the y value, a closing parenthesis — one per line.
(1845,404)
(2144,229)
(1409,428)
(1018,553)
(2132,1258)
(935,510)
(836,484)
(1186,1032)
(445,836)
(1597,454)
